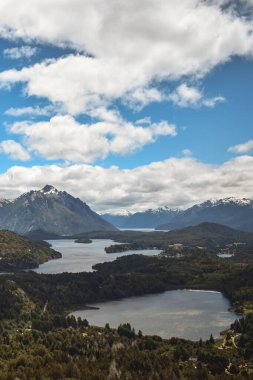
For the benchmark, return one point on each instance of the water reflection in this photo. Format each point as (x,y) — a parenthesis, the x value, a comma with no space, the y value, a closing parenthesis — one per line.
(78,257)
(182,313)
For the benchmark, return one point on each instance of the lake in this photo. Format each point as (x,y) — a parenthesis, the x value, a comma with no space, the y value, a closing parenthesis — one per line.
(182,313)
(188,314)
(79,257)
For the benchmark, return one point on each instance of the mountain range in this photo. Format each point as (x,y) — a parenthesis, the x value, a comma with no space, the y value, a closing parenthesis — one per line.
(232,212)
(50,210)
(57,212)
(150,218)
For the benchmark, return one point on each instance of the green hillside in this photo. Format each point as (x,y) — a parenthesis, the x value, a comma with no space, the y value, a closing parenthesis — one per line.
(18,252)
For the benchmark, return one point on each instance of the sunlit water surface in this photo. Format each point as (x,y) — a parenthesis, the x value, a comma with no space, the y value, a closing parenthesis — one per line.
(182,313)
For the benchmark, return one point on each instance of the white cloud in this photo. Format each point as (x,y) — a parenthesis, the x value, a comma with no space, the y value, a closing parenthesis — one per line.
(242,148)
(213,101)
(145,120)
(33,111)
(134,45)
(187,152)
(64,138)
(142,96)
(14,150)
(20,52)
(175,182)
(188,96)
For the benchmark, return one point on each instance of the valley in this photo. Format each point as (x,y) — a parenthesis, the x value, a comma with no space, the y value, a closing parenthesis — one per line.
(38,305)
(126,202)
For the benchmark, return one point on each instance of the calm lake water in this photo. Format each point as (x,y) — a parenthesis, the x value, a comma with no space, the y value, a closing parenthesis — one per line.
(78,257)
(186,314)
(182,313)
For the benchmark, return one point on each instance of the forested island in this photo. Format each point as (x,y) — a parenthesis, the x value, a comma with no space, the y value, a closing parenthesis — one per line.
(83,241)
(115,248)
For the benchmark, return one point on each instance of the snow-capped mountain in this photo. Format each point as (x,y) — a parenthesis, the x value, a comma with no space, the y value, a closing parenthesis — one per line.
(224,201)
(233,212)
(144,219)
(50,210)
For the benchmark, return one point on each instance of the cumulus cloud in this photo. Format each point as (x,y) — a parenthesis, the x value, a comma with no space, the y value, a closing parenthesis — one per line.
(142,96)
(176,182)
(189,96)
(132,47)
(242,148)
(64,138)
(20,52)
(14,150)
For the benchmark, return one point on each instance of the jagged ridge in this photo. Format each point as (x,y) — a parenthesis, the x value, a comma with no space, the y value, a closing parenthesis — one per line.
(50,210)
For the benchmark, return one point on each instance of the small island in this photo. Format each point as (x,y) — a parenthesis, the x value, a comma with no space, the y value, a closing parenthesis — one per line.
(83,241)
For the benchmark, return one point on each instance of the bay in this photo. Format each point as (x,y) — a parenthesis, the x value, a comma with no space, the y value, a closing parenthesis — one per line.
(79,257)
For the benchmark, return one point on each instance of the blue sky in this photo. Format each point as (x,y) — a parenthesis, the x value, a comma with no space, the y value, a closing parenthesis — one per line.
(143,112)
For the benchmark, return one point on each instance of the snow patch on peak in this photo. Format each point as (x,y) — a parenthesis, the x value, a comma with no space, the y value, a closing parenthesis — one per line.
(161,210)
(121,213)
(48,189)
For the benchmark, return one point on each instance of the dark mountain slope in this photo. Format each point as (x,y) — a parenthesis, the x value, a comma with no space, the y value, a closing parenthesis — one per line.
(50,210)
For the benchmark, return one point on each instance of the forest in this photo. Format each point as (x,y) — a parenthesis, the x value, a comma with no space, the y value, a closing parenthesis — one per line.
(40,340)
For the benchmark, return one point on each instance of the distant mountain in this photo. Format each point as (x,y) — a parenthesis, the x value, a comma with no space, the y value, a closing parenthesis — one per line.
(50,210)
(208,234)
(232,212)
(146,219)
(117,220)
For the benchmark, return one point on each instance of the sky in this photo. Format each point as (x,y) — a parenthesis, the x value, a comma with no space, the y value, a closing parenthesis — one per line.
(127,105)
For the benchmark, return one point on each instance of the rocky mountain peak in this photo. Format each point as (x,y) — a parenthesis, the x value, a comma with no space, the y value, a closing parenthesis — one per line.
(49,189)
(52,211)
